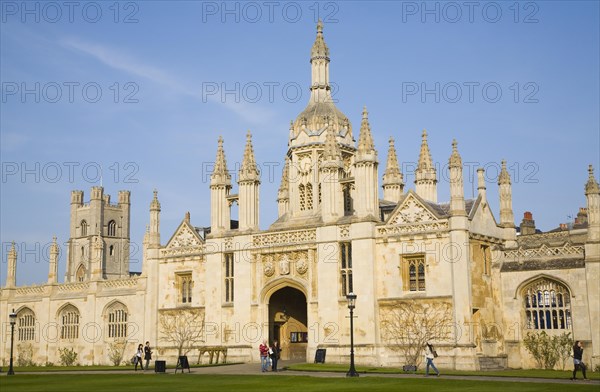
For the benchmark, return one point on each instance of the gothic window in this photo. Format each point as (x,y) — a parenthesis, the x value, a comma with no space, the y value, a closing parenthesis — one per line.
(547,305)
(80,275)
(117,321)
(229,277)
(184,283)
(320,194)
(26,325)
(309,196)
(346,267)
(111,250)
(487,259)
(84,228)
(347,201)
(302,197)
(413,273)
(69,323)
(112,228)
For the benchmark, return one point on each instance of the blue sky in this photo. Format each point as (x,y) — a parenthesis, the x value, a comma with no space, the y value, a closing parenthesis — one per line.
(168,74)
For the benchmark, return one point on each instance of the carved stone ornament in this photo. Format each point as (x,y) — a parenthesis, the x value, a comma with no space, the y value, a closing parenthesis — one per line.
(269,268)
(413,212)
(302,264)
(185,238)
(284,265)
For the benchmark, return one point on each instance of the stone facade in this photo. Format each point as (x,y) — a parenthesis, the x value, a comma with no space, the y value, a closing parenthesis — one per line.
(482,284)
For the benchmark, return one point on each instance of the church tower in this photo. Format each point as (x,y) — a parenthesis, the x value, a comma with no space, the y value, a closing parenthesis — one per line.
(98,247)
(321,153)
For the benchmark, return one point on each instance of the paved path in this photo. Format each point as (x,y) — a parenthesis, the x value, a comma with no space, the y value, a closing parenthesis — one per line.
(254,369)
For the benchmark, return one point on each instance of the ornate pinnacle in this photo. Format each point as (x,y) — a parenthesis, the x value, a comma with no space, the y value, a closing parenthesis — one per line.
(425,161)
(455,159)
(365,139)
(591,187)
(220,175)
(504,177)
(248,171)
(392,174)
(283,188)
(320,48)
(155,204)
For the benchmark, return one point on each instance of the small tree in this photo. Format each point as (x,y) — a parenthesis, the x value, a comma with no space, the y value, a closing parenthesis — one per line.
(407,326)
(549,350)
(116,350)
(182,327)
(68,356)
(564,348)
(25,355)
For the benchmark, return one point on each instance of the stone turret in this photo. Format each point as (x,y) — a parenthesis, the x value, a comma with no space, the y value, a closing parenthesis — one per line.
(11,271)
(53,264)
(507,218)
(283,195)
(248,188)
(332,204)
(220,186)
(366,202)
(153,233)
(457,191)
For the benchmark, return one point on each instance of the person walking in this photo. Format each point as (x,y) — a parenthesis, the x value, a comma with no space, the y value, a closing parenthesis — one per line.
(430,354)
(147,354)
(138,357)
(274,354)
(264,356)
(578,360)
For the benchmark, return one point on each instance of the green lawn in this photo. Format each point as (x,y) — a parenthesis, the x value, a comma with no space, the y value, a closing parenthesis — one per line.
(21,369)
(533,373)
(193,382)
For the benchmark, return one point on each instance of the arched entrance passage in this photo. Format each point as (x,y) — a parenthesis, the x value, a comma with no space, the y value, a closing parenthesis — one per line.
(288,322)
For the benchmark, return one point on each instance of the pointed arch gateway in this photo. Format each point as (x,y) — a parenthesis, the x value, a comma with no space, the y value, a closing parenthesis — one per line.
(288,318)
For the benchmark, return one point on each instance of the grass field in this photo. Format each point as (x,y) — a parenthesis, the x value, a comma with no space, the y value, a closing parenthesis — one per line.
(532,373)
(194,382)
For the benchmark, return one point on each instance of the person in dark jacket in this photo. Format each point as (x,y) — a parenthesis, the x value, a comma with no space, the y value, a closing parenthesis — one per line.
(274,354)
(147,354)
(578,360)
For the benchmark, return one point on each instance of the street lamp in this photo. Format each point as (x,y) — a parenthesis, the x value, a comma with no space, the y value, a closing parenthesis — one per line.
(13,321)
(351,304)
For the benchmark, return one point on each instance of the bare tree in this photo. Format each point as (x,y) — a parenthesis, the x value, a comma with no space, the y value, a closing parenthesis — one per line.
(182,327)
(407,326)
(116,351)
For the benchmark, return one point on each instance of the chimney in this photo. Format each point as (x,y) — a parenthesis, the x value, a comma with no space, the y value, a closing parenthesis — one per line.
(527,224)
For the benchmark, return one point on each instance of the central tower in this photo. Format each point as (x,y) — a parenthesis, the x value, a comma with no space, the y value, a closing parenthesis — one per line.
(317,183)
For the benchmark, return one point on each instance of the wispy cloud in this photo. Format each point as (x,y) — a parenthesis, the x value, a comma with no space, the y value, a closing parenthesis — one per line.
(119,60)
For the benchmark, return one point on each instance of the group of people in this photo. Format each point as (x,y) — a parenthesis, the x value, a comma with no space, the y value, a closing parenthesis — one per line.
(269,355)
(144,352)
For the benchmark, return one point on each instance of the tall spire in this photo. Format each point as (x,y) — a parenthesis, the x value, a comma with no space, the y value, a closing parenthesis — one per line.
(155,204)
(365,139)
(220,175)
(319,59)
(393,181)
(248,170)
(425,175)
(153,235)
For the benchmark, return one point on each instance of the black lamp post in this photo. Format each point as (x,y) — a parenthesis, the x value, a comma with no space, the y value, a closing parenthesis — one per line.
(13,321)
(351,304)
